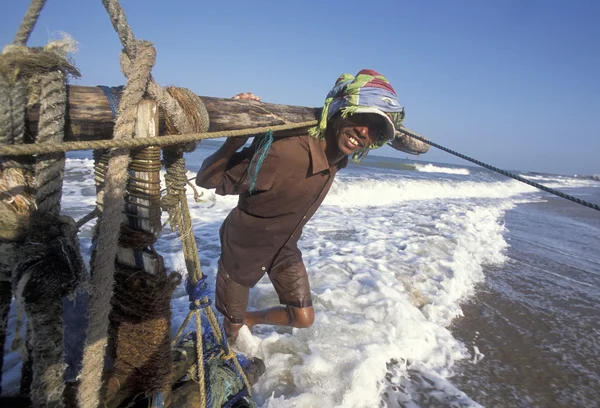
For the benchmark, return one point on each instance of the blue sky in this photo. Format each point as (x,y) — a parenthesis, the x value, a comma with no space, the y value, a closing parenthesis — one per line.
(512,83)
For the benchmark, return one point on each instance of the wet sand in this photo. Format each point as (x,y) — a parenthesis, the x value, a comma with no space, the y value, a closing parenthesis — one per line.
(536,320)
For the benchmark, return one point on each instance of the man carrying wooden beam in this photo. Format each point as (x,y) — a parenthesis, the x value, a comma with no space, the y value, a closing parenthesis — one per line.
(281,184)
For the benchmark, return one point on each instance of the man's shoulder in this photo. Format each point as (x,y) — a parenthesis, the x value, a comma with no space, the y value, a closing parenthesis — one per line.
(292,145)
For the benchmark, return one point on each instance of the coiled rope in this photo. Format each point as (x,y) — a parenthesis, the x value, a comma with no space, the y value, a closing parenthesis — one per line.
(504,172)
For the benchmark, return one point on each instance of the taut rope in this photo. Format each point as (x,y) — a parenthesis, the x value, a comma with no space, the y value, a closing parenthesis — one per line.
(504,172)
(31,149)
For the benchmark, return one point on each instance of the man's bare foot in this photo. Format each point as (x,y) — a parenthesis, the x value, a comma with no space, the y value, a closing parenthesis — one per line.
(250,322)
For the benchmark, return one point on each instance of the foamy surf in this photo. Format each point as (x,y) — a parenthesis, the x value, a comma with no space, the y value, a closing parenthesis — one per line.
(390,260)
(431,168)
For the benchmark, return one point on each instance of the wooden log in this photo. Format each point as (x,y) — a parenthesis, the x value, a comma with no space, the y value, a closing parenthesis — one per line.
(89,116)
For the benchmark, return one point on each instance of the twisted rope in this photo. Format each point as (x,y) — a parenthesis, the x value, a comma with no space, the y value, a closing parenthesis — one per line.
(13,98)
(30,149)
(104,254)
(46,317)
(12,117)
(504,172)
(119,22)
(50,264)
(49,168)
(176,203)
(28,22)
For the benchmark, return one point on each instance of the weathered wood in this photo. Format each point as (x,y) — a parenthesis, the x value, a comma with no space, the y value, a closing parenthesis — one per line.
(142,200)
(89,116)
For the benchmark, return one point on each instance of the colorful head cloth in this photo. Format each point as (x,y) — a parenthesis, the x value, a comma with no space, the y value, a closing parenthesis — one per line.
(368,92)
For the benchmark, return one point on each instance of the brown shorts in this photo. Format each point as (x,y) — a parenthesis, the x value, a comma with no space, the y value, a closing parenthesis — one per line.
(291,284)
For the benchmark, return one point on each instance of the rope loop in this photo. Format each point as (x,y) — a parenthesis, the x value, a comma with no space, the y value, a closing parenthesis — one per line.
(198,293)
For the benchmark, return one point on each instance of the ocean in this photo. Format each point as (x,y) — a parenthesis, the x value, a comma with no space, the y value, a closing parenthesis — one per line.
(434,285)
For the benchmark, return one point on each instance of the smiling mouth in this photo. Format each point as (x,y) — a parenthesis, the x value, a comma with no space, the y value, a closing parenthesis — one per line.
(353,141)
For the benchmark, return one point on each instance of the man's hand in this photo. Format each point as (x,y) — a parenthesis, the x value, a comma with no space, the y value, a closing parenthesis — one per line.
(247,95)
(235,143)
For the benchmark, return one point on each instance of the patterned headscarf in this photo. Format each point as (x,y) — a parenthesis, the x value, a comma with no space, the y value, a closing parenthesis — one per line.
(368,92)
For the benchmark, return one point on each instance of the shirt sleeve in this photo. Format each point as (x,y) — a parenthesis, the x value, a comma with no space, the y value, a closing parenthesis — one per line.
(236,179)
(234,174)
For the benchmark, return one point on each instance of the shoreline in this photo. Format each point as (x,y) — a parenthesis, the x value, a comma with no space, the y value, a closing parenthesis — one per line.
(525,363)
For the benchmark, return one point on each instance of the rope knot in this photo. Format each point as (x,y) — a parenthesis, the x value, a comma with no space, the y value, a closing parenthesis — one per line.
(137,66)
(198,293)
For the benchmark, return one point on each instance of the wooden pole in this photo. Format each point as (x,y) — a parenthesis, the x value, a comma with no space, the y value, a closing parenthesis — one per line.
(89,116)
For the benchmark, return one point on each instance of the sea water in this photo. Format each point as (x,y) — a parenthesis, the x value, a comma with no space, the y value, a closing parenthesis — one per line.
(401,256)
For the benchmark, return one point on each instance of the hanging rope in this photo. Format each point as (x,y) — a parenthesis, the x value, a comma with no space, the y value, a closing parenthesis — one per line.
(103,257)
(133,49)
(51,266)
(28,22)
(50,263)
(503,172)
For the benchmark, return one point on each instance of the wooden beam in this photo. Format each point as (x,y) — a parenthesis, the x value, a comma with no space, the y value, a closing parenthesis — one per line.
(89,116)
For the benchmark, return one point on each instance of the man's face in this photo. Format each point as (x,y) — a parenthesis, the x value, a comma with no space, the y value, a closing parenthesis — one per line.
(358,131)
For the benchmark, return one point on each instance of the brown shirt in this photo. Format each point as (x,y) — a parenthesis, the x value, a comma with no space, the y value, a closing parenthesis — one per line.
(262,233)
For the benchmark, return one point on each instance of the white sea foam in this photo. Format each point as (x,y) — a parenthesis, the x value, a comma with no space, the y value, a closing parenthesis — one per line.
(372,192)
(389,262)
(557,181)
(387,272)
(430,168)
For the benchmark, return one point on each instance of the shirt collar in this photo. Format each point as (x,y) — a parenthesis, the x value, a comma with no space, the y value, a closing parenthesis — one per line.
(319,159)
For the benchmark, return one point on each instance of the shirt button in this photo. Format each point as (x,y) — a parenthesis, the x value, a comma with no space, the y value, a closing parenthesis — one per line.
(263,268)
(304,217)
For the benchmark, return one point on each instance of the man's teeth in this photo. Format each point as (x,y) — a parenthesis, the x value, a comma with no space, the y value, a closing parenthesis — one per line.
(353,141)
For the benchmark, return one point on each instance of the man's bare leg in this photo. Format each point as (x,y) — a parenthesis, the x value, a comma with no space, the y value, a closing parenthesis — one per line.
(276,316)
(282,316)
(231,330)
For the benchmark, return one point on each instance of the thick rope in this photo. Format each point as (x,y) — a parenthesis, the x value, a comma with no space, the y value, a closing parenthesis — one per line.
(45,317)
(49,168)
(162,98)
(119,22)
(50,263)
(103,257)
(12,117)
(504,172)
(46,342)
(28,22)
(13,100)
(175,202)
(5,112)
(30,149)
(50,268)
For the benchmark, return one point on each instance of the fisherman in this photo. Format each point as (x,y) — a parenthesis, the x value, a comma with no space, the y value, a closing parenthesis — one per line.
(281,184)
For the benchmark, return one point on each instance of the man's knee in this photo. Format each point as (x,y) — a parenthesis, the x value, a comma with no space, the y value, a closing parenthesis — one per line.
(301,318)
